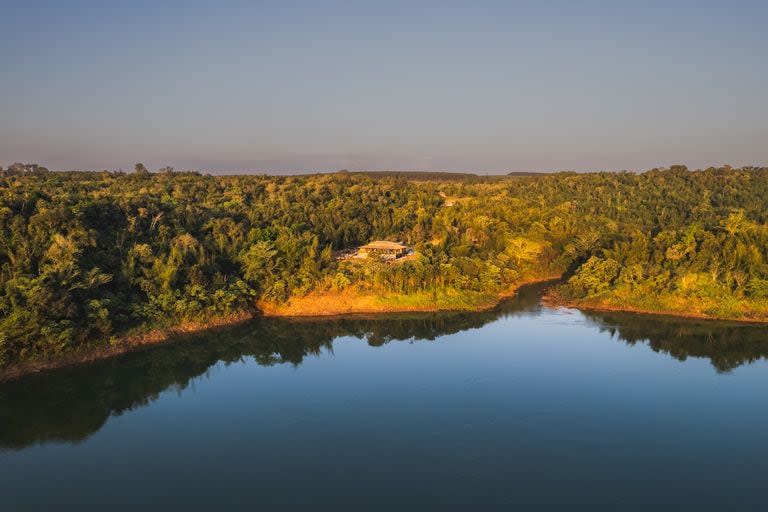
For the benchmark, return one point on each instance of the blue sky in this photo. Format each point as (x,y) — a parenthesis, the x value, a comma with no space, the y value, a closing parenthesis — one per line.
(462,86)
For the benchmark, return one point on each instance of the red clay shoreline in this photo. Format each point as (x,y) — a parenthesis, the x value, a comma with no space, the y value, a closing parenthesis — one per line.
(124,345)
(553,301)
(385,309)
(135,342)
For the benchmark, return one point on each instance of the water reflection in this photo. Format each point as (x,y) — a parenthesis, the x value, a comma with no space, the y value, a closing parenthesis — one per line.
(73,403)
(727,345)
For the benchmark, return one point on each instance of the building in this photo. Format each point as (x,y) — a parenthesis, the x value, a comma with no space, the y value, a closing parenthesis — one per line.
(388,250)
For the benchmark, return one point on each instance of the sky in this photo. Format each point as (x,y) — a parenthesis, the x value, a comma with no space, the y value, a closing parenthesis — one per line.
(486,87)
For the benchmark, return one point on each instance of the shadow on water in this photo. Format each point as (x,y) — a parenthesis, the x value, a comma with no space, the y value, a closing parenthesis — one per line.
(727,345)
(70,404)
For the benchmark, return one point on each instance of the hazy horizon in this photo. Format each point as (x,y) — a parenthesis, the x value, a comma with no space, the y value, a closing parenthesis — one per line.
(487,88)
(307,172)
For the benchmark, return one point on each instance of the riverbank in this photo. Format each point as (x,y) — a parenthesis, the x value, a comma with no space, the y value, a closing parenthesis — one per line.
(339,303)
(312,305)
(553,299)
(329,304)
(120,346)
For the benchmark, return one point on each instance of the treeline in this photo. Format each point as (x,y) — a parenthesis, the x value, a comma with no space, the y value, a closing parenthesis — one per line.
(72,404)
(684,242)
(87,257)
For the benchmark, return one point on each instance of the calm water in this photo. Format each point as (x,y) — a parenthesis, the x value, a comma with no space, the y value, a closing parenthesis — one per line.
(522,406)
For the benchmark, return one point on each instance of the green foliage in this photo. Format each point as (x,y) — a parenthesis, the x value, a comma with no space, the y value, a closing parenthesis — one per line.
(758,288)
(594,276)
(85,257)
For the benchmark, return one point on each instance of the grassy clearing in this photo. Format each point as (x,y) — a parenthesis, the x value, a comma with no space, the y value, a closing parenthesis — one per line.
(354,301)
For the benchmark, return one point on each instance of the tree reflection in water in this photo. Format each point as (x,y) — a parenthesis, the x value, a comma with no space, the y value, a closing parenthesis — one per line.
(727,345)
(69,405)
(72,403)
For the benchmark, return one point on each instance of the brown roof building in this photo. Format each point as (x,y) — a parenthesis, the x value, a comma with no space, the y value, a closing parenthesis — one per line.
(383,248)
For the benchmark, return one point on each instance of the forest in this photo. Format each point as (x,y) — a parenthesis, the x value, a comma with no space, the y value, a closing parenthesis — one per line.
(87,258)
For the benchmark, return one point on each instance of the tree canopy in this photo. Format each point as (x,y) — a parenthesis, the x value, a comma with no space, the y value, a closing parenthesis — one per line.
(86,257)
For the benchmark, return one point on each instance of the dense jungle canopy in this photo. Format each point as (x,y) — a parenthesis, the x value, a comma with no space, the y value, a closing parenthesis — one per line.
(86,257)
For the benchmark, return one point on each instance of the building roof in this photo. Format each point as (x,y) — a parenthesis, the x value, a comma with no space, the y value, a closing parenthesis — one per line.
(383,245)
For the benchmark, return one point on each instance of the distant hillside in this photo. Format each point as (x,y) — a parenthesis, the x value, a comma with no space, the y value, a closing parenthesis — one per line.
(444,176)
(428,175)
(422,175)
(525,173)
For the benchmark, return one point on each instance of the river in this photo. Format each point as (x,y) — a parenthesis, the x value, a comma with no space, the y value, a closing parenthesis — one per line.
(521,406)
